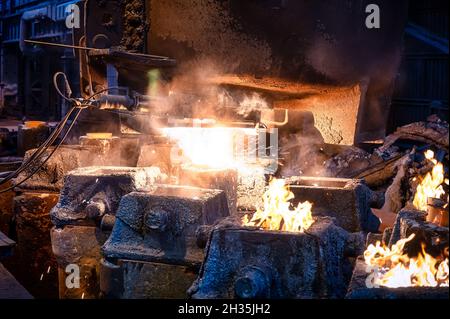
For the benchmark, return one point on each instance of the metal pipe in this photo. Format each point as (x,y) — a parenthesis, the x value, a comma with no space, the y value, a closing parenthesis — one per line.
(275,123)
(112,78)
(89,48)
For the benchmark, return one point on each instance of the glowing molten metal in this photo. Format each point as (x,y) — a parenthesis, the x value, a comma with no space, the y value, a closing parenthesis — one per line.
(394,269)
(278,214)
(99,136)
(212,147)
(431,185)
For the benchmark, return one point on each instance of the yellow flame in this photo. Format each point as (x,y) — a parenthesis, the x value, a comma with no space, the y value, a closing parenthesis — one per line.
(394,269)
(429,155)
(277,213)
(431,184)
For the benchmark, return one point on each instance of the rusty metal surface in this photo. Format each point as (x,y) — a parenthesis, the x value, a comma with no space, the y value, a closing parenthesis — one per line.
(33,262)
(116,23)
(156,280)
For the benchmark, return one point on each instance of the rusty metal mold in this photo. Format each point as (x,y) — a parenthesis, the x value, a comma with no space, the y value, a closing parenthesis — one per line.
(67,158)
(359,290)
(155,237)
(90,193)
(348,201)
(429,235)
(85,215)
(145,280)
(244,262)
(209,178)
(33,262)
(435,237)
(80,246)
(160,225)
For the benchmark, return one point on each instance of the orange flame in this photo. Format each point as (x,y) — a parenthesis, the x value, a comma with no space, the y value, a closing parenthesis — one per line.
(277,213)
(431,184)
(394,269)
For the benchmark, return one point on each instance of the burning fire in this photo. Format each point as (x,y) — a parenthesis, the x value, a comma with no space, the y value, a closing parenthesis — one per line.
(392,268)
(431,185)
(277,213)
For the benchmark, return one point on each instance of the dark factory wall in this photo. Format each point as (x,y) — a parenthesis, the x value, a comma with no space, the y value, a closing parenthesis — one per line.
(304,41)
(298,39)
(29,69)
(422,84)
(432,14)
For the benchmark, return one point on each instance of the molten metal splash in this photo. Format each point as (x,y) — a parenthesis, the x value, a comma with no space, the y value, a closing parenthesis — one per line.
(392,268)
(431,185)
(277,213)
